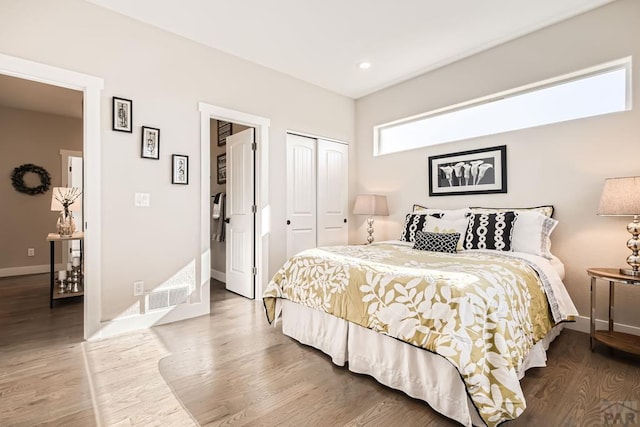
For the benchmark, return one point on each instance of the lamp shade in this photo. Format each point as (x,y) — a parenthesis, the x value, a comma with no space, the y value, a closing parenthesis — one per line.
(71,194)
(620,197)
(371,204)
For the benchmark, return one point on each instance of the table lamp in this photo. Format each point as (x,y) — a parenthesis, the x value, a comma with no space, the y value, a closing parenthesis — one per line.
(371,204)
(66,200)
(621,197)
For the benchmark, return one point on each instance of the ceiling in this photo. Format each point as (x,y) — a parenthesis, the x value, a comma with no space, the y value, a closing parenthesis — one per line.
(39,97)
(322,42)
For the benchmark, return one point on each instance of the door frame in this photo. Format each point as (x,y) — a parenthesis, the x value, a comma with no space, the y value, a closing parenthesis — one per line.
(261,190)
(91,87)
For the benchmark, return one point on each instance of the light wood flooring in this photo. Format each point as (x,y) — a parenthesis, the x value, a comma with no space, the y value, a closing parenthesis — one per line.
(232,368)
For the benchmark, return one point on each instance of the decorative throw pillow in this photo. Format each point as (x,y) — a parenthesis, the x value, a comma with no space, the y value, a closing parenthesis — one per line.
(490,231)
(531,234)
(436,242)
(444,225)
(412,223)
(546,210)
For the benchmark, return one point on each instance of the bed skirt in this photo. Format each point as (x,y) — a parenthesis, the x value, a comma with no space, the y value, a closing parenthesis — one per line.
(417,372)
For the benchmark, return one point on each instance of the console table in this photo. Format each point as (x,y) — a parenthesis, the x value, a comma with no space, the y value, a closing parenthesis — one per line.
(52,238)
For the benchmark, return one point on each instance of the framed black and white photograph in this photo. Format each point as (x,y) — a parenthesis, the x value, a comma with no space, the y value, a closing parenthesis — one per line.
(222,168)
(482,171)
(150,143)
(122,115)
(179,169)
(224,130)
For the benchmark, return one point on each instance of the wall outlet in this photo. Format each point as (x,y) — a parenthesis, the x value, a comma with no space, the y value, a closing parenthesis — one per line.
(31,252)
(142,200)
(138,288)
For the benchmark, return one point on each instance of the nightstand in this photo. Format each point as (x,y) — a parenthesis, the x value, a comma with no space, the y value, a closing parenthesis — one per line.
(614,339)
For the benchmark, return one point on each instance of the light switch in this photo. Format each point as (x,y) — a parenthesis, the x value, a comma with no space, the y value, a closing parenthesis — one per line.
(142,200)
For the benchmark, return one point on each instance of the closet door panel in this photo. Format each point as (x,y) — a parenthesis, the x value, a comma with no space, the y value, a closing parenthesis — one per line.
(301,194)
(332,200)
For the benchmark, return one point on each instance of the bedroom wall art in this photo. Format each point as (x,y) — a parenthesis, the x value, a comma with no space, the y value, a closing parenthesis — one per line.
(150,148)
(481,171)
(179,169)
(224,130)
(122,117)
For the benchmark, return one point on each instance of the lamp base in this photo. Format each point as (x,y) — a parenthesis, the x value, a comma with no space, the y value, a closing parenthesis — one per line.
(630,272)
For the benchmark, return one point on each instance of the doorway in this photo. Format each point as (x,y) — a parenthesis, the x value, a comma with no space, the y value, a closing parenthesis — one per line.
(259,265)
(91,88)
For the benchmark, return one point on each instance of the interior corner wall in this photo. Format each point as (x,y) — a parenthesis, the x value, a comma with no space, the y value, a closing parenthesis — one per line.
(563,164)
(165,76)
(25,220)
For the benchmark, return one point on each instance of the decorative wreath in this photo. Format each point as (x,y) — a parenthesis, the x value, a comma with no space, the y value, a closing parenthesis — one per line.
(17,179)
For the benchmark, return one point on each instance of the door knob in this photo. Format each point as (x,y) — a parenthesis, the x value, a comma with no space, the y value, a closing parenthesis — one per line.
(227,220)
(288,222)
(345,220)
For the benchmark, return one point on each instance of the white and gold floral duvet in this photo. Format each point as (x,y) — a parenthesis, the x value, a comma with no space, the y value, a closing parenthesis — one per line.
(481,311)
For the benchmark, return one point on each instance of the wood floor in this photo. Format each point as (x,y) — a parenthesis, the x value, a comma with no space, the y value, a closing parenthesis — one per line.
(232,368)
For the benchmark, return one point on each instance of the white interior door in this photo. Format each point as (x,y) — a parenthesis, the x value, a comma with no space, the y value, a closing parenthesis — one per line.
(301,193)
(333,167)
(240,214)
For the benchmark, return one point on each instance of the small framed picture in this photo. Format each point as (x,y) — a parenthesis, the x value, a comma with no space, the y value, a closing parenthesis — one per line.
(482,171)
(224,130)
(180,169)
(222,168)
(150,143)
(122,115)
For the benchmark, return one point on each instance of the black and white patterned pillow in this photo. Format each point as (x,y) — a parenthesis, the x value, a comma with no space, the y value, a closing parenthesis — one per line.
(414,223)
(490,231)
(436,242)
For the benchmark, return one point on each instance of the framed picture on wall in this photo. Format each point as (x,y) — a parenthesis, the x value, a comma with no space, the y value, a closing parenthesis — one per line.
(224,130)
(150,143)
(222,168)
(482,171)
(122,115)
(179,169)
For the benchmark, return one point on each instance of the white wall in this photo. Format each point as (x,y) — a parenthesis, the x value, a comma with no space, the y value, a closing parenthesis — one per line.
(165,76)
(562,164)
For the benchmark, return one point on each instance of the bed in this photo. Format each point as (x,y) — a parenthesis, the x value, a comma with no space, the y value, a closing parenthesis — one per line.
(457,329)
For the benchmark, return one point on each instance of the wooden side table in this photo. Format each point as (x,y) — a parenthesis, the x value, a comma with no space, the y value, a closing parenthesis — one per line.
(614,339)
(53,238)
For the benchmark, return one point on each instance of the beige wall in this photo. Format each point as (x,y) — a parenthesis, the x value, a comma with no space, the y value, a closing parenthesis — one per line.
(25,220)
(562,164)
(165,76)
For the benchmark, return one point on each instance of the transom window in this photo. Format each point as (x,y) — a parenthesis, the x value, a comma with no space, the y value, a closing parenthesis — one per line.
(598,90)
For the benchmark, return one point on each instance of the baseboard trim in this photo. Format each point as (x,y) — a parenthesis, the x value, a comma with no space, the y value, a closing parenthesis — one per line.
(29,269)
(583,324)
(219,275)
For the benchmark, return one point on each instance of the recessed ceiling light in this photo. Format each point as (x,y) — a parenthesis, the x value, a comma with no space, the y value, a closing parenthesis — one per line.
(364,65)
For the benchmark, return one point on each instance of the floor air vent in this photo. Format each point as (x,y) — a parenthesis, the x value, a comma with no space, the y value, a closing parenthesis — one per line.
(166,298)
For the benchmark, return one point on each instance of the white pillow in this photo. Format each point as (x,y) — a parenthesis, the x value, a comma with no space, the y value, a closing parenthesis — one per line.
(444,213)
(531,233)
(444,225)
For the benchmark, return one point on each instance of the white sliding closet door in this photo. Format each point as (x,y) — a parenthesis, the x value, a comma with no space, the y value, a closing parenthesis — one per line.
(301,194)
(317,185)
(332,200)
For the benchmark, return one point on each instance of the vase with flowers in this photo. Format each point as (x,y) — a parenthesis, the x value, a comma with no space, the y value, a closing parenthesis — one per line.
(66,197)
